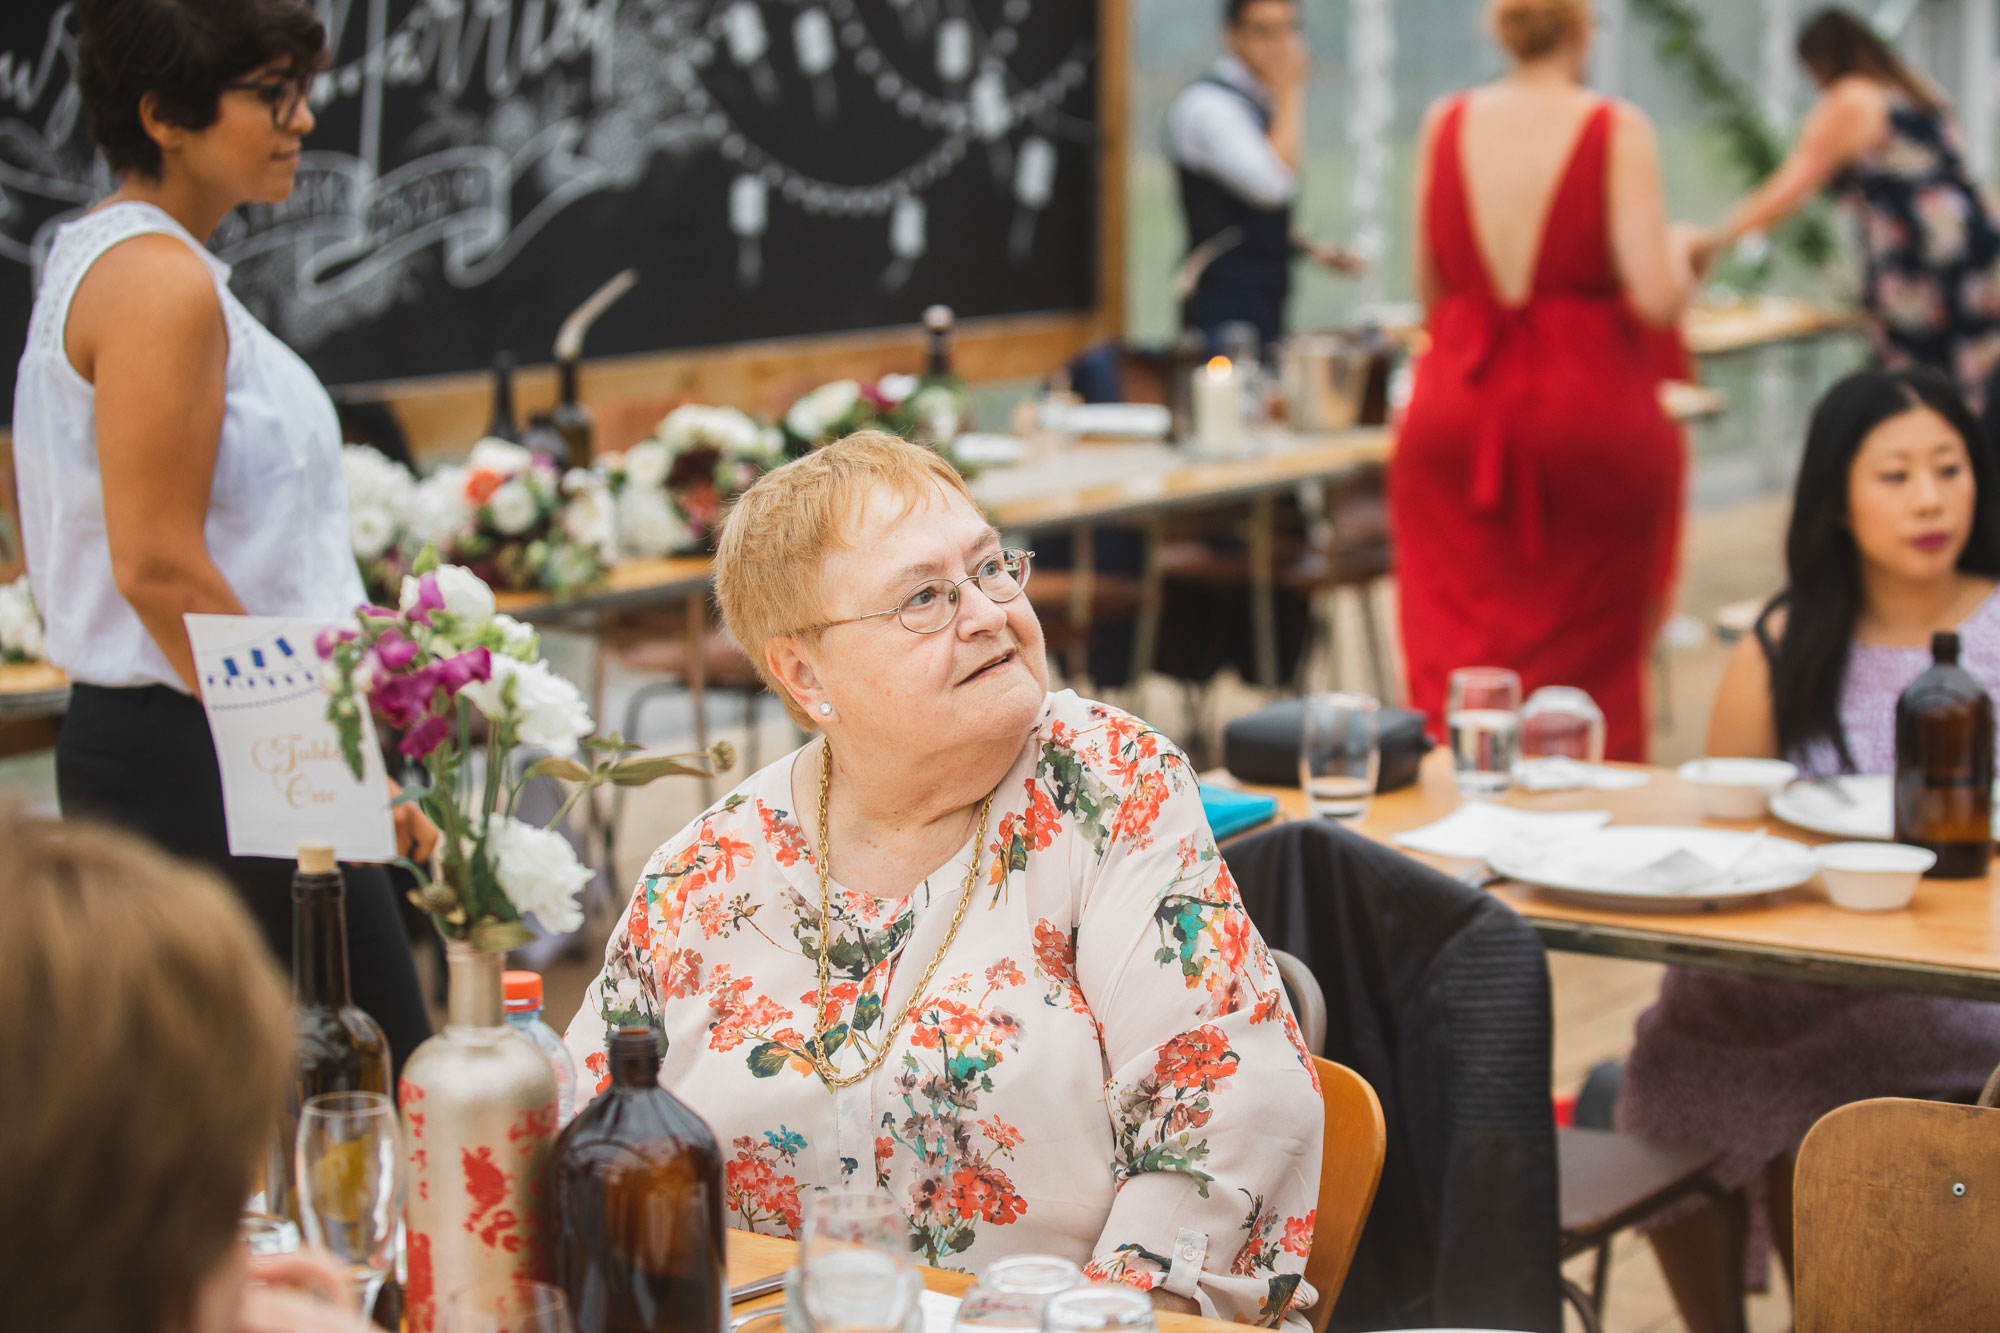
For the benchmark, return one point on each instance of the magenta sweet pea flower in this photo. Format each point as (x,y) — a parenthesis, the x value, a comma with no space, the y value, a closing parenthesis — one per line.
(394,650)
(429,599)
(426,736)
(401,700)
(331,638)
(455,673)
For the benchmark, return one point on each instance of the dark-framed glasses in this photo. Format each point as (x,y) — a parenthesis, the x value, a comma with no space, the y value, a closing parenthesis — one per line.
(282,97)
(933,604)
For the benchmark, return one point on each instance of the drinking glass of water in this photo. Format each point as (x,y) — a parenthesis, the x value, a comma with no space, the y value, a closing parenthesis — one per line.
(1483,715)
(1012,1292)
(1099,1307)
(855,1274)
(1340,754)
(1561,721)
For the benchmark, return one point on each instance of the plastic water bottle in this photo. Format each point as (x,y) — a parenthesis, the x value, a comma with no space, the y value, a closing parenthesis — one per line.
(524,1013)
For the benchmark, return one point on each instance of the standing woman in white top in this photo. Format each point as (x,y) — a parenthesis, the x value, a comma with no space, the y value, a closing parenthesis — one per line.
(173,456)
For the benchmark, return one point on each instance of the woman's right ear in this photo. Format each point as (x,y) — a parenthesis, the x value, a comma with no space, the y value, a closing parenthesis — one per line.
(793,671)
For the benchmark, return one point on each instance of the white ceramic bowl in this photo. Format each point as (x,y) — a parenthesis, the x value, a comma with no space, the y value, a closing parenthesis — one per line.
(1736,788)
(1872,876)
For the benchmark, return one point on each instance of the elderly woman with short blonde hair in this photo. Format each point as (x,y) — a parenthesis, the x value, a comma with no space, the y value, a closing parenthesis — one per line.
(973,944)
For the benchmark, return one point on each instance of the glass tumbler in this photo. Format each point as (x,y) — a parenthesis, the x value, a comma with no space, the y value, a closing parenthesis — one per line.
(855,1274)
(1561,721)
(1099,1306)
(1340,754)
(508,1307)
(266,1234)
(1483,715)
(1012,1292)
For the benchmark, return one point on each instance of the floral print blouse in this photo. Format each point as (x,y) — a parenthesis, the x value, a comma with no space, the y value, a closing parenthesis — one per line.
(1104,1067)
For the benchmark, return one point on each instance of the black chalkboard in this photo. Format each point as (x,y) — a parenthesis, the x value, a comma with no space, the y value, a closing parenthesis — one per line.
(771,167)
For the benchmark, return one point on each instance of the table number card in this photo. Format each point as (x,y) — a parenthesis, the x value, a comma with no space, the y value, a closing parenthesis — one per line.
(284,781)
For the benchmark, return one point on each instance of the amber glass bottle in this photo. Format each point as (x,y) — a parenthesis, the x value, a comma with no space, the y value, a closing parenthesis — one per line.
(638,1186)
(340,1048)
(1944,765)
(570,418)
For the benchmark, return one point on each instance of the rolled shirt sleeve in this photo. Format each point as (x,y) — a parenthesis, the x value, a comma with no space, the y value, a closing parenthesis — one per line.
(1215,1105)
(1212,132)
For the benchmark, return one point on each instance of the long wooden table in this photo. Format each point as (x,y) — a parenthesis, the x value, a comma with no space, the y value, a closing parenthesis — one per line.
(1947,942)
(752,1256)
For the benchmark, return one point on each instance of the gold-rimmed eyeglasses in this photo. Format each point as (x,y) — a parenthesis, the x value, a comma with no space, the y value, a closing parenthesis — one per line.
(933,604)
(281,96)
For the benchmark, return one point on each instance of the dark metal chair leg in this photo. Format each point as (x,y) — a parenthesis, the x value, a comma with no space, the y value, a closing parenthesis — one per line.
(1581,1304)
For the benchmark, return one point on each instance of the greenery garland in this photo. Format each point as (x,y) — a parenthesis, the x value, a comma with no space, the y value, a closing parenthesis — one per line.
(1735,113)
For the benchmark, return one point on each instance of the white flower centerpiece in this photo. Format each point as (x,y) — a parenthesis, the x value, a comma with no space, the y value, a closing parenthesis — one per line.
(20,623)
(672,490)
(506,515)
(380,495)
(931,413)
(432,668)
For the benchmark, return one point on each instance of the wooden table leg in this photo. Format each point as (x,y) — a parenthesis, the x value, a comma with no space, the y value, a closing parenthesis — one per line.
(1082,574)
(1146,629)
(1263,607)
(697,677)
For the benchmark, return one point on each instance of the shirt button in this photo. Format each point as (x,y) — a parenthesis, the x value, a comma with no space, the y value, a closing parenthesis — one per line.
(1187,1253)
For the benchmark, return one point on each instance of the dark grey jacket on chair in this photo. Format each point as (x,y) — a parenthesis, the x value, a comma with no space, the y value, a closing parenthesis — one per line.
(1438,995)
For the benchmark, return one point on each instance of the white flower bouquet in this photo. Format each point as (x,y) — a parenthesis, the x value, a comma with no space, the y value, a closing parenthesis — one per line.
(671,491)
(380,494)
(929,413)
(20,623)
(505,515)
(432,667)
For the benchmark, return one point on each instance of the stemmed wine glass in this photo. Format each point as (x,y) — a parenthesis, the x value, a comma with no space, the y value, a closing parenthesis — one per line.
(350,1183)
(508,1307)
(855,1274)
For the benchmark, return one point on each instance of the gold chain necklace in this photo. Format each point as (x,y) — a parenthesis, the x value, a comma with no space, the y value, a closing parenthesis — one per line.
(818,1052)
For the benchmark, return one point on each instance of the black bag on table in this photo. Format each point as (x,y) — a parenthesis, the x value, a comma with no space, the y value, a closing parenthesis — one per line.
(1261,749)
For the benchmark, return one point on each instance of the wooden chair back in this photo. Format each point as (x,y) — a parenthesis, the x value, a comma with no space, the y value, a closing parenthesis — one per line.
(1896,1216)
(1350,1168)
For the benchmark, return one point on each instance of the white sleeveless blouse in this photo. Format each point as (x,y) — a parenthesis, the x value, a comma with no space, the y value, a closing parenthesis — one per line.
(277,508)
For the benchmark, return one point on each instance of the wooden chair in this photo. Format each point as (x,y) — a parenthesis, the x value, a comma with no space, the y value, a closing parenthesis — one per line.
(1351,1154)
(1896,1218)
(1350,1167)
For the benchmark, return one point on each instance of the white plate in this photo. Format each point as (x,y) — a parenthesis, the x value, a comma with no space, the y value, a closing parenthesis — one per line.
(1868,813)
(1581,866)
(1109,421)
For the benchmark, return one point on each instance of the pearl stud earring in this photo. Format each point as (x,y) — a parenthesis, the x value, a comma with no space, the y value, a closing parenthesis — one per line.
(826,710)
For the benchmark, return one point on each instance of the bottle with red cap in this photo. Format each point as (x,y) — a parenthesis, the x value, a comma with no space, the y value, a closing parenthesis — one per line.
(524,1013)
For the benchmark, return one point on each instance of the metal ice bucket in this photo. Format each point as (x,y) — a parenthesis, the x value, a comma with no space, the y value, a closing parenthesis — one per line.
(1325,379)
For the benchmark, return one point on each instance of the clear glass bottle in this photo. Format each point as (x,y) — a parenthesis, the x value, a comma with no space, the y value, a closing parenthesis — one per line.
(523,992)
(638,1204)
(1944,765)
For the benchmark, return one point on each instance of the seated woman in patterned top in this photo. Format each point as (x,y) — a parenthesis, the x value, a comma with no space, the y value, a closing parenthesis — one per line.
(974,944)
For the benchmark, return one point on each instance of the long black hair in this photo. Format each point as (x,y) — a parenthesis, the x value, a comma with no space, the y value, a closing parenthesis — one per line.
(1837,42)
(1821,601)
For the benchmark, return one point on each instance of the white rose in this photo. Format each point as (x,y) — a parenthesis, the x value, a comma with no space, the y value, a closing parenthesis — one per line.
(517,640)
(538,871)
(438,511)
(467,599)
(501,456)
(895,388)
(815,414)
(936,412)
(370,529)
(512,508)
(647,464)
(548,711)
(587,515)
(730,430)
(20,623)
(649,525)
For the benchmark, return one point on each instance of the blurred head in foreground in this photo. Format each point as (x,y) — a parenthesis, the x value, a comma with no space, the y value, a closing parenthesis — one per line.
(144,1038)
(1535,30)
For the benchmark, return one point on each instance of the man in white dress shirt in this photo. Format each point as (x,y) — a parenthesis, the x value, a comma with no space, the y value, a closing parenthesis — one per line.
(1236,137)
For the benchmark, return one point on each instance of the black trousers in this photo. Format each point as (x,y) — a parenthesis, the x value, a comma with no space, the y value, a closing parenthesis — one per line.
(142,760)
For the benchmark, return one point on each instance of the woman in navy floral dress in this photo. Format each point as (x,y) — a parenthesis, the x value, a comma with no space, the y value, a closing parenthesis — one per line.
(1883,142)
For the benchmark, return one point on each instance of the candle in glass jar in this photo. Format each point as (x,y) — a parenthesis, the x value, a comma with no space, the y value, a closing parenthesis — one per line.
(1218,408)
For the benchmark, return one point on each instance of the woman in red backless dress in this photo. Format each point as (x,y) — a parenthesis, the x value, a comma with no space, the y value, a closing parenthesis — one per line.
(1536,490)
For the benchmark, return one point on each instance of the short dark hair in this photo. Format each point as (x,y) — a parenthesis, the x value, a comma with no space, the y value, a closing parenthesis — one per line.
(1232,10)
(182,52)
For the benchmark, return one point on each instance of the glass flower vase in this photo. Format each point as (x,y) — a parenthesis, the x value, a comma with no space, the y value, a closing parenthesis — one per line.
(479,1124)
